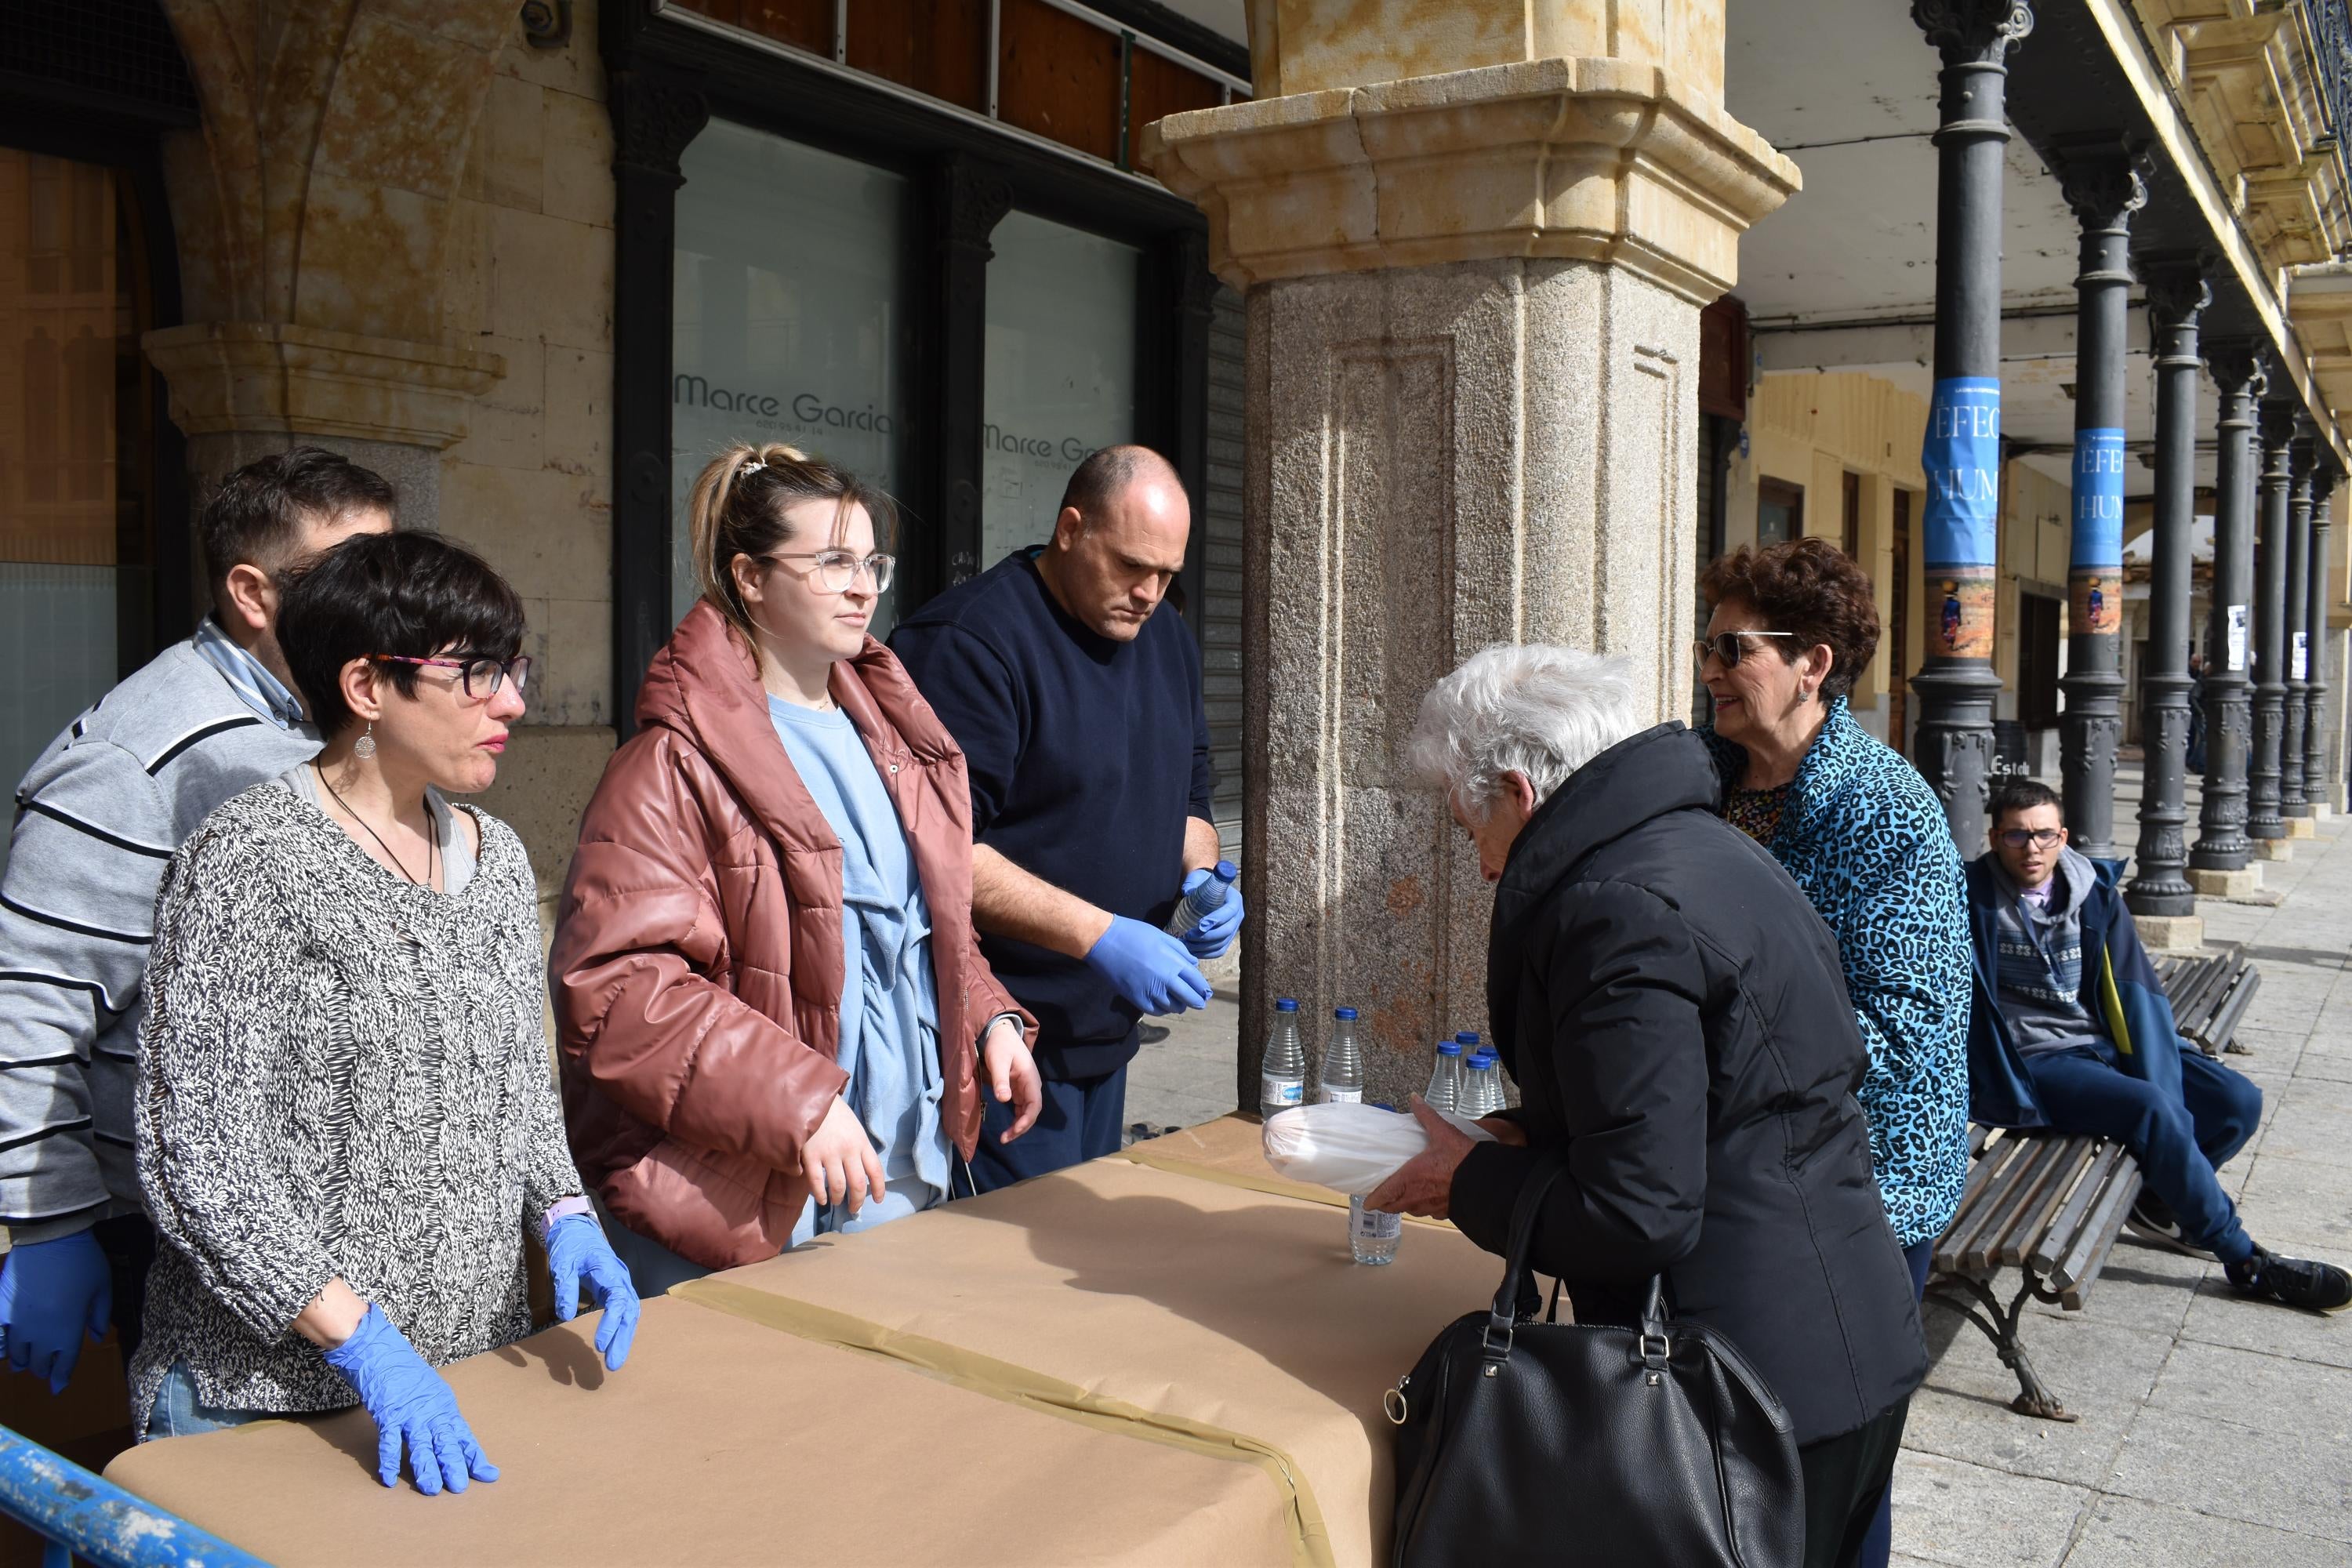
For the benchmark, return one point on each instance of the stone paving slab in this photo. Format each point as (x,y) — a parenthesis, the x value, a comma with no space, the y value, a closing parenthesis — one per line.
(2125,1532)
(1976,1516)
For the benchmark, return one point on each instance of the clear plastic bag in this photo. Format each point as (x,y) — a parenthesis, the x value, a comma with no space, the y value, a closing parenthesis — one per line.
(1350,1149)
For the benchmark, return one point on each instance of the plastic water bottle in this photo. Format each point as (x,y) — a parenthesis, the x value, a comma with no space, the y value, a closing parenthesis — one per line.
(1282,1076)
(1373,1234)
(1468,1040)
(1482,1088)
(1342,1081)
(1444,1092)
(1203,901)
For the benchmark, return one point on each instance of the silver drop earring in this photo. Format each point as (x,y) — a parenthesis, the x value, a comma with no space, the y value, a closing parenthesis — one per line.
(365,747)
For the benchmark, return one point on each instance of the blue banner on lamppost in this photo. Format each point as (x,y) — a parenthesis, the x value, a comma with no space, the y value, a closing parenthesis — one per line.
(1961,457)
(2096,563)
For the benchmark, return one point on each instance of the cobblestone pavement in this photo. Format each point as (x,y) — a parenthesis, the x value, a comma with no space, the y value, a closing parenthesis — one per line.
(2213,1430)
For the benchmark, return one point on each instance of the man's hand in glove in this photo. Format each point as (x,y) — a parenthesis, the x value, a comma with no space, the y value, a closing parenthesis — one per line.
(1151,969)
(1215,932)
(51,1293)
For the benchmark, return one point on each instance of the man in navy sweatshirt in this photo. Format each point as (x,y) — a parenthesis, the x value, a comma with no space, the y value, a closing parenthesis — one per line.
(1077,703)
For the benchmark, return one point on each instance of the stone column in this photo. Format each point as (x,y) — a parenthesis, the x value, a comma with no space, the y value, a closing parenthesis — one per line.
(2318,789)
(2298,653)
(314,229)
(2159,893)
(1475,245)
(2263,823)
(2103,186)
(1961,454)
(2218,867)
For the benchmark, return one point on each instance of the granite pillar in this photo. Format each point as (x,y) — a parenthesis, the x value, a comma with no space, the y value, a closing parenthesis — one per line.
(1473,273)
(2298,651)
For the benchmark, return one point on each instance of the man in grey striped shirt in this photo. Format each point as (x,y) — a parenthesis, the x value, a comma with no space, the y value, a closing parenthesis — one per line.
(98,817)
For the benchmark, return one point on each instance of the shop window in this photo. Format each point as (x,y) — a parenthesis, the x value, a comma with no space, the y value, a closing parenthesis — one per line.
(1060,371)
(73,531)
(789,320)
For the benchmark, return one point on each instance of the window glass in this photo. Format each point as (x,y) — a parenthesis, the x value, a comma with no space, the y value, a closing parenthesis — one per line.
(67,331)
(789,321)
(1060,377)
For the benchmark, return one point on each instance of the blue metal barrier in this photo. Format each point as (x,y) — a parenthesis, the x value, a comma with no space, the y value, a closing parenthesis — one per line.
(88,1519)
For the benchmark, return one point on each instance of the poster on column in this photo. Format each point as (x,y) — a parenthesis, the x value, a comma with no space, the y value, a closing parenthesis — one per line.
(1961,457)
(2300,667)
(2237,637)
(2096,566)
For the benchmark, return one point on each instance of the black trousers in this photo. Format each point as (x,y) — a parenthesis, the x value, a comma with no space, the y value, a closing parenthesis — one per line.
(129,1242)
(1845,1478)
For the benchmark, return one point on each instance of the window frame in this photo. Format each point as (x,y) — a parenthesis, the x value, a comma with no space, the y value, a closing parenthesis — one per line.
(669,76)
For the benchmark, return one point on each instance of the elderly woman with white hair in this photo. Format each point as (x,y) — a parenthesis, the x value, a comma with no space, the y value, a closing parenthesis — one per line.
(1674,1013)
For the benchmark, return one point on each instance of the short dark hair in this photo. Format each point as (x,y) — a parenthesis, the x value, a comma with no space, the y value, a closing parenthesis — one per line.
(408,593)
(255,517)
(1105,472)
(2019,793)
(1809,587)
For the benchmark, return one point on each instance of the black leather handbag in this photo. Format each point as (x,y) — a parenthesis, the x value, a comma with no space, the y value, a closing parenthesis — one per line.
(1522,1441)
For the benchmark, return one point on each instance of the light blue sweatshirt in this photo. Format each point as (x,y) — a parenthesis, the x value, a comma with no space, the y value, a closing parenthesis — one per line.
(889,997)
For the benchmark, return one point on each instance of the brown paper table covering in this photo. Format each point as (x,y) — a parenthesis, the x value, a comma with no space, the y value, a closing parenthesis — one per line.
(1157,1295)
(722,1443)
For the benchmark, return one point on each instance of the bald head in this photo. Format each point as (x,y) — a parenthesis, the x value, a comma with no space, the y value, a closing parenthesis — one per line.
(1119,540)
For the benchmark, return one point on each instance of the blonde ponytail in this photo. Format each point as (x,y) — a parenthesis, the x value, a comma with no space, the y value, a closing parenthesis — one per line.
(739,504)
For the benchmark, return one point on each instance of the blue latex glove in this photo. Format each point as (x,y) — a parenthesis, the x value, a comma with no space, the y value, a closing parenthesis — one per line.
(411,1406)
(576,1246)
(1215,932)
(1150,968)
(51,1293)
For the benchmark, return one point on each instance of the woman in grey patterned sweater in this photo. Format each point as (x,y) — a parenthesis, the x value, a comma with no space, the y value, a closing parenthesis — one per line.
(345,1117)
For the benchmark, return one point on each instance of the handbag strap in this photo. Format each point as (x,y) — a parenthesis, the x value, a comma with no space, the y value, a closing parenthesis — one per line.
(1502,1317)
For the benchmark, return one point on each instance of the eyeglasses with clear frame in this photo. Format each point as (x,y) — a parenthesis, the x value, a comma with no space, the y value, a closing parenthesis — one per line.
(480,679)
(2040,838)
(835,569)
(1728,647)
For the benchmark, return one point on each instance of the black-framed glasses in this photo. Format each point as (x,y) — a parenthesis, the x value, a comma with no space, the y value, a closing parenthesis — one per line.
(480,677)
(2040,838)
(835,569)
(1728,647)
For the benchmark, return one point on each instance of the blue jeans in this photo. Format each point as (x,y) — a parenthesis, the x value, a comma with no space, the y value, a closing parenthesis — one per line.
(180,1412)
(1080,1120)
(2179,1141)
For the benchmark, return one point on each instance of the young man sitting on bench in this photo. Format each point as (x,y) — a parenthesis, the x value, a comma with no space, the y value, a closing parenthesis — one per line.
(2071,1031)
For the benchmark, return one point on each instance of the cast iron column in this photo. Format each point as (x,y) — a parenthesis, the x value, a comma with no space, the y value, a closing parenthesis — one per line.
(1961,453)
(2177,294)
(2317,790)
(2102,184)
(2221,842)
(2298,572)
(2263,819)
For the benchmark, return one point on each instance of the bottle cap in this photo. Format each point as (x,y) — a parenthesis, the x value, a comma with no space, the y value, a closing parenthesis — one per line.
(1482,1058)
(1284,1004)
(1449,1048)
(1348,1014)
(1227,870)
(1468,1039)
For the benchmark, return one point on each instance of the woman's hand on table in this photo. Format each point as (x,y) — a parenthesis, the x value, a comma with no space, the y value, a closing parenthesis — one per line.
(1013,1076)
(838,1162)
(1424,1184)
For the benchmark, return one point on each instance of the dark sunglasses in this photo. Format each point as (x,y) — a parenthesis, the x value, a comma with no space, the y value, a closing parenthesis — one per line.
(1729,647)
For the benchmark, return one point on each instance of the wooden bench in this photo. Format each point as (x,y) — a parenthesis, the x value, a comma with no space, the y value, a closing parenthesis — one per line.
(2210,994)
(2048,1204)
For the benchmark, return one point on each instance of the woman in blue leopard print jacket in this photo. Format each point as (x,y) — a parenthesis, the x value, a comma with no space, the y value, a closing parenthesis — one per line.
(1865,837)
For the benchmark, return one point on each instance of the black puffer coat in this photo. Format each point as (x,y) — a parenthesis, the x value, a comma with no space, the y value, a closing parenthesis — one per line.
(1672,1010)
